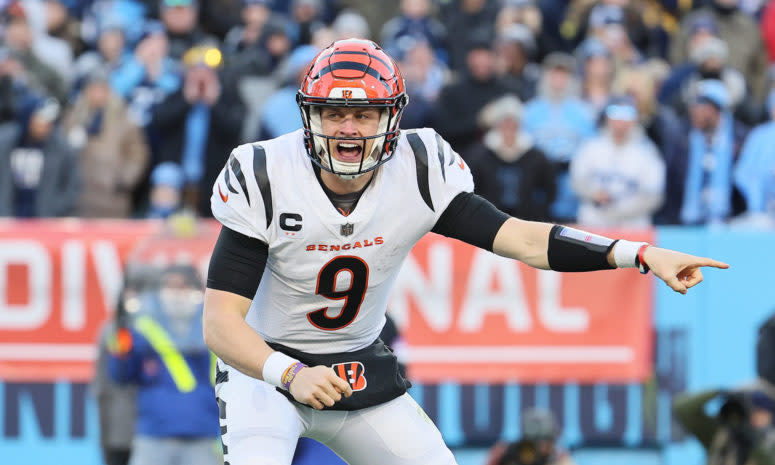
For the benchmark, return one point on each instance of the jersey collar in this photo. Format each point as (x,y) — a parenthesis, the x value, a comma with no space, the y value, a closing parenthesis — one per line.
(326,211)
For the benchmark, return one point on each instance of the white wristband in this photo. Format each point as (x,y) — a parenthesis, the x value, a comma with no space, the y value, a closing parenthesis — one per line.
(274,367)
(626,253)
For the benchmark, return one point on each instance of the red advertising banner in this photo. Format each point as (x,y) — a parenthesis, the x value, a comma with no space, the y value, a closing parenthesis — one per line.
(59,281)
(470,316)
(467,315)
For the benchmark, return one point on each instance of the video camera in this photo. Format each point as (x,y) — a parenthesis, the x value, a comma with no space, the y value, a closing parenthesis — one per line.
(524,452)
(736,410)
(536,447)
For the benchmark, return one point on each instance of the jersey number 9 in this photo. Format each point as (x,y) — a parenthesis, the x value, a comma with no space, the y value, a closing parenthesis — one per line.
(353,296)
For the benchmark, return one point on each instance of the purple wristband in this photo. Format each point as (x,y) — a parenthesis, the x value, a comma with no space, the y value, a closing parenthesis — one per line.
(290,374)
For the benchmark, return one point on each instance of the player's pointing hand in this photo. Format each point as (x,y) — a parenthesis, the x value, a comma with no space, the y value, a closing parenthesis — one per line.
(319,387)
(678,270)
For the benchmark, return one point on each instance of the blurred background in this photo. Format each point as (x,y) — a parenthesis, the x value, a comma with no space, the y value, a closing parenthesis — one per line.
(650,119)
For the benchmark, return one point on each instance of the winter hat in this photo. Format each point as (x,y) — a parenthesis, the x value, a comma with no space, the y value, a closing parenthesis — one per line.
(713,47)
(621,108)
(603,15)
(496,111)
(167,174)
(592,48)
(351,22)
(703,22)
(761,400)
(299,59)
(713,92)
(560,60)
(520,34)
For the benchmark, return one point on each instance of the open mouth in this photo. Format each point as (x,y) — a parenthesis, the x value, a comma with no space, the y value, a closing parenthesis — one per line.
(349,152)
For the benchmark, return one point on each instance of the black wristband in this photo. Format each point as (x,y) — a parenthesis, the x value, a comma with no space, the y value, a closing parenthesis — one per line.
(574,250)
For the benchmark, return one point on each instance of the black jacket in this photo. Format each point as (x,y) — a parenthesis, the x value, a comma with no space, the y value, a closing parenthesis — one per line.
(457,108)
(524,188)
(226,119)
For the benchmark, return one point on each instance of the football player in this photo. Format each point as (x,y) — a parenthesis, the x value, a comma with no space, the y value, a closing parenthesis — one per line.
(316,224)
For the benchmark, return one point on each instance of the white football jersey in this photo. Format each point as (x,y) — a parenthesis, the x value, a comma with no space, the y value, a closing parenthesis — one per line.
(328,277)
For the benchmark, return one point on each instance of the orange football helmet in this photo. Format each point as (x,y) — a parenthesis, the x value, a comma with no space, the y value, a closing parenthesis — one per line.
(350,73)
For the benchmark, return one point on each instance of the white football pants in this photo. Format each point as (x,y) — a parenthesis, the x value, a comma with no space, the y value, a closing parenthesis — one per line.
(262,426)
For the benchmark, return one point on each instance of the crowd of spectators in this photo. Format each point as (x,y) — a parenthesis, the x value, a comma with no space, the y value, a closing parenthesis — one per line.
(602,112)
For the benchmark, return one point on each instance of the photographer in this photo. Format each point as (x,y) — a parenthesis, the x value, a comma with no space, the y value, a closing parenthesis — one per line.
(537,445)
(742,433)
(161,352)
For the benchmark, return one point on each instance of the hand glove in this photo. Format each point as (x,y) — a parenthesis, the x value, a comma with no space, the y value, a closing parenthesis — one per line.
(120,342)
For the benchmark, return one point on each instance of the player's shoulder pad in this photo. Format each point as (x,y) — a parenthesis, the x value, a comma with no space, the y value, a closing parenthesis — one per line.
(247,191)
(437,164)
(249,161)
(420,146)
(439,152)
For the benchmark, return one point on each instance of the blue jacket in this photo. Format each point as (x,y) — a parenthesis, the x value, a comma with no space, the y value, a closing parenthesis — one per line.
(670,89)
(670,134)
(280,113)
(132,74)
(755,171)
(164,411)
(558,130)
(131,81)
(708,190)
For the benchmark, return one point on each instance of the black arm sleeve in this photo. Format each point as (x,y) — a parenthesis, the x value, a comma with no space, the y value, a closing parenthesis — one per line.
(237,263)
(471,219)
(575,250)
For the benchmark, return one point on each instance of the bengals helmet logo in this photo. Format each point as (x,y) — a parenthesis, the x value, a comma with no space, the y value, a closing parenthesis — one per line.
(347,93)
(352,372)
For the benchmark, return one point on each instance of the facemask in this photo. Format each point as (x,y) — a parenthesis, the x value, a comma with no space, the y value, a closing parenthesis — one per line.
(348,170)
(710,73)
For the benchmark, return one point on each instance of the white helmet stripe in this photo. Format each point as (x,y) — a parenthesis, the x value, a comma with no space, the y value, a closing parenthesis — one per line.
(347,92)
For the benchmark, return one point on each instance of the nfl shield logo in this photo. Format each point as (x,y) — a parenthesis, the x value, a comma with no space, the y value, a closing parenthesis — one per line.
(346,229)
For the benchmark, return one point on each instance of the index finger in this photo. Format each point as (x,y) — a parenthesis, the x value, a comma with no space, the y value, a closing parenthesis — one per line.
(703,261)
(343,386)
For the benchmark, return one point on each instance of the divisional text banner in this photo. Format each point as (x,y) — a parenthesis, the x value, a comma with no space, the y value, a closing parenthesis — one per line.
(59,280)
(471,316)
(467,314)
